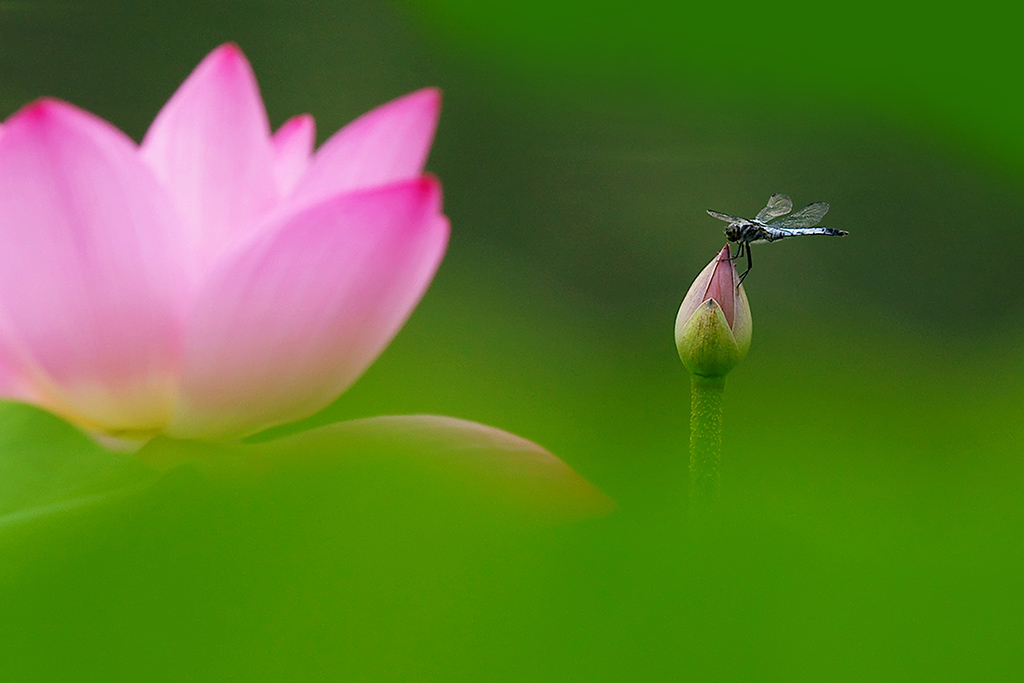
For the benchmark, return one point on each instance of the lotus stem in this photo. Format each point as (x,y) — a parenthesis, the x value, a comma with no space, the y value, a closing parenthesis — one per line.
(705,440)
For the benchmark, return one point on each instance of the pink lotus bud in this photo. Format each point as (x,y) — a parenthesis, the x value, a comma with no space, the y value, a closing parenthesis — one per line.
(714,324)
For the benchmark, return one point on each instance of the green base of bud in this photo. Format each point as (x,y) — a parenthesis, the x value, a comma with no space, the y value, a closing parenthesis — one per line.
(706,345)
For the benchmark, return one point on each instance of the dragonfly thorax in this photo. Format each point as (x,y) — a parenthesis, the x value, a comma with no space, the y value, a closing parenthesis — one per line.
(748,231)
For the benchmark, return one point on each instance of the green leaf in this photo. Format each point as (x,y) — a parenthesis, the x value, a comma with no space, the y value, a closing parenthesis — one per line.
(48,468)
(436,457)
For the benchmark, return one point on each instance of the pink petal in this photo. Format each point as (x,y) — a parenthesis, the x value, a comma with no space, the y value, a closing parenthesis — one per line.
(92,270)
(722,285)
(716,281)
(210,146)
(388,144)
(13,385)
(286,324)
(293,145)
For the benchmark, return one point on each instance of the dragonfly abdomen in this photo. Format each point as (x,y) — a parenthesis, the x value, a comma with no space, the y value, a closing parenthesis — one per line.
(782,233)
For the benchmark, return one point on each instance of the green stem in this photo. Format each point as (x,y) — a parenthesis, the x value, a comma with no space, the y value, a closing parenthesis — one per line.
(705,439)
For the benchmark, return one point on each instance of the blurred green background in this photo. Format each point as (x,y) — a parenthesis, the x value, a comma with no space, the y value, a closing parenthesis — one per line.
(872,477)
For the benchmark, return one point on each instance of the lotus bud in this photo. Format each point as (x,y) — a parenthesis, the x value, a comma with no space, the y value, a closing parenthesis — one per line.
(713,325)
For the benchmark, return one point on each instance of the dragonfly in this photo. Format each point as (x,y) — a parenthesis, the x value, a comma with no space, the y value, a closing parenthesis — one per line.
(774,222)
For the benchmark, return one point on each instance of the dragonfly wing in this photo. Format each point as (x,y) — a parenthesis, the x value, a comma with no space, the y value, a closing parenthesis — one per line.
(807,217)
(726,217)
(778,205)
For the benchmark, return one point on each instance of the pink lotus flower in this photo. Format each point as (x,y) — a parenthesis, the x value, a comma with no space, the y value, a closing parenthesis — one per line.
(219,279)
(216,279)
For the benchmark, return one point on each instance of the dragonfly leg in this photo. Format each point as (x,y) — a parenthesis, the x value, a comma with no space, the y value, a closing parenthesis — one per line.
(750,263)
(739,251)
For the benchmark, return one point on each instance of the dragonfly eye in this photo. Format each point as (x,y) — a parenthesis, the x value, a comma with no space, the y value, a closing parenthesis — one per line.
(732,234)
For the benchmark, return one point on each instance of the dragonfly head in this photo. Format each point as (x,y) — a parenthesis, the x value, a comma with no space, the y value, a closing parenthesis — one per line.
(732,233)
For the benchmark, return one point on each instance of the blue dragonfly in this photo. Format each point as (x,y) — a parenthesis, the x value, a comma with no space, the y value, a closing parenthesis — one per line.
(774,222)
